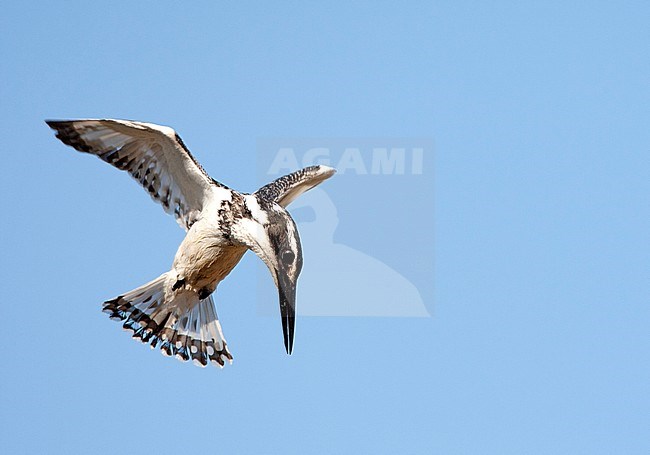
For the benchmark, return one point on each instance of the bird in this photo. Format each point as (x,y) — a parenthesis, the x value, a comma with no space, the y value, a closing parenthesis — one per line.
(175,312)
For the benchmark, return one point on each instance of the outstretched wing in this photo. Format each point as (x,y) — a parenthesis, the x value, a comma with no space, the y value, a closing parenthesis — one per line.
(153,155)
(287,188)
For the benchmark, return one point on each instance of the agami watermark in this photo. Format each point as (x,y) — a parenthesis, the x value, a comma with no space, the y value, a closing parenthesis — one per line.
(367,233)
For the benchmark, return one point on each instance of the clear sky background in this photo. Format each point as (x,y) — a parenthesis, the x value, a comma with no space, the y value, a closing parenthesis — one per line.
(538,341)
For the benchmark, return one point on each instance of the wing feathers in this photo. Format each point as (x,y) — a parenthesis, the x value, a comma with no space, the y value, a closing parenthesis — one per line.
(288,187)
(153,155)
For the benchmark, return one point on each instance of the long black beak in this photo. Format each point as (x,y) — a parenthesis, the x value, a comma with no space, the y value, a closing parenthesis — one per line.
(287,291)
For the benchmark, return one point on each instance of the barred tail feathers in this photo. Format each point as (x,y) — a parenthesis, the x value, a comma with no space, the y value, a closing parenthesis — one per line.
(184,327)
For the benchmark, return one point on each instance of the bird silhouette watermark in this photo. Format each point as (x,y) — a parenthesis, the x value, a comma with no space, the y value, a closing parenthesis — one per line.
(369,235)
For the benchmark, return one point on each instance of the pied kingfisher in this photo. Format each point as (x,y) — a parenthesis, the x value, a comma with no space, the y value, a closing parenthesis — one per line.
(175,312)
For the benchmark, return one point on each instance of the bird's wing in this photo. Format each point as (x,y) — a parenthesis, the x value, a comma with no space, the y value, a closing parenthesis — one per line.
(154,155)
(288,187)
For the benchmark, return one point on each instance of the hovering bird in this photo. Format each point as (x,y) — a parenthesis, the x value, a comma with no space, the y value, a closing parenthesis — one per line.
(175,311)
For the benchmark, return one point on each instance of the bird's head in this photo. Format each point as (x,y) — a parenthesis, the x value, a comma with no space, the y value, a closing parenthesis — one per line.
(270,232)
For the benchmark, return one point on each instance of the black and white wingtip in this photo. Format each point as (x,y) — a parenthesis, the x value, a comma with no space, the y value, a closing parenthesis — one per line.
(287,188)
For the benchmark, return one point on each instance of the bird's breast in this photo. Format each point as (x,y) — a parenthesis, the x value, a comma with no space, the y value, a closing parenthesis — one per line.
(205,258)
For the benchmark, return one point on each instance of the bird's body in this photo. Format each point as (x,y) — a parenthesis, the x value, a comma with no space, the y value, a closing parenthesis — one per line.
(175,311)
(204,260)
(205,257)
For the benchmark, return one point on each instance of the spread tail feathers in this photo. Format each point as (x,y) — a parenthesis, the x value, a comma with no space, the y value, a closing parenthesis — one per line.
(187,330)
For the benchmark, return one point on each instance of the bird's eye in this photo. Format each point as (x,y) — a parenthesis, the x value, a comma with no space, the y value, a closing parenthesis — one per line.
(288,257)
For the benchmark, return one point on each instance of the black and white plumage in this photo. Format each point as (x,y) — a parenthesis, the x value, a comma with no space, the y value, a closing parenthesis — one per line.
(176,312)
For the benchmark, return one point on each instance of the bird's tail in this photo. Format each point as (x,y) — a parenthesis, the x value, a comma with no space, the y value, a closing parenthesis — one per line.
(184,327)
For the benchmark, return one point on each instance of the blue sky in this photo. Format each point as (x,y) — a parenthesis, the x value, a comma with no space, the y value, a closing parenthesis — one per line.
(538,340)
